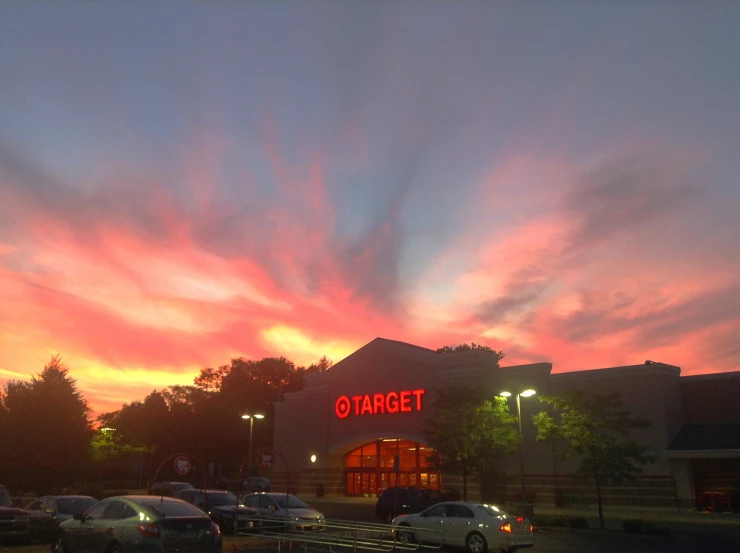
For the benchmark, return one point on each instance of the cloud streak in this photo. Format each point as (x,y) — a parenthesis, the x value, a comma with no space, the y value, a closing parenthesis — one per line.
(373,171)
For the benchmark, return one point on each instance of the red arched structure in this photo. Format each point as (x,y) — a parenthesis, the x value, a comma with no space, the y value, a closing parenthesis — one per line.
(248,459)
(189,456)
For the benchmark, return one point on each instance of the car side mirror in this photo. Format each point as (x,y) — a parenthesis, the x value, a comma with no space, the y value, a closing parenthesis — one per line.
(79,516)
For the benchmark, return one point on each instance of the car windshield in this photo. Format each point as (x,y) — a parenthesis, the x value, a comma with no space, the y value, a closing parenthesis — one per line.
(491,510)
(226,498)
(72,505)
(292,502)
(173,508)
(4,497)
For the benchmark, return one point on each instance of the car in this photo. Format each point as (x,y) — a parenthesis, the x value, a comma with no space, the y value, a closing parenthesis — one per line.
(288,510)
(169,488)
(478,527)
(256,484)
(47,512)
(399,500)
(221,506)
(139,523)
(13,521)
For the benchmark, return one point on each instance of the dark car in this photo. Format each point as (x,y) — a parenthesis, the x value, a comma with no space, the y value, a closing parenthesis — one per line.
(47,512)
(13,521)
(256,484)
(142,523)
(169,488)
(222,506)
(405,500)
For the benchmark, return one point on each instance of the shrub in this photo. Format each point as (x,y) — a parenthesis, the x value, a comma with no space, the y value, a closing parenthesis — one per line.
(578,523)
(558,521)
(651,529)
(632,526)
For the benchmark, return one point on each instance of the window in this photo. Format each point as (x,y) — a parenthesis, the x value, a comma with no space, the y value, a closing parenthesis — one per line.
(97,510)
(171,508)
(252,500)
(115,511)
(266,502)
(49,505)
(460,511)
(218,499)
(437,511)
(35,506)
(128,512)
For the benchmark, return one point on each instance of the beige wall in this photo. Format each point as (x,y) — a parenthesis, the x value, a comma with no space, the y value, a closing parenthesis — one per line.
(305,423)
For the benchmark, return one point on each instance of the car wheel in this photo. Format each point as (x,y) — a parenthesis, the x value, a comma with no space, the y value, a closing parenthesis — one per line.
(404,534)
(476,543)
(59,544)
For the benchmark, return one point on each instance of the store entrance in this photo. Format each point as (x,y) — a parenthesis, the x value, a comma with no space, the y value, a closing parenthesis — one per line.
(370,469)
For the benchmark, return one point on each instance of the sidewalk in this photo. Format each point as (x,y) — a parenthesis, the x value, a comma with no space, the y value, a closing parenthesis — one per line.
(363,508)
(614,516)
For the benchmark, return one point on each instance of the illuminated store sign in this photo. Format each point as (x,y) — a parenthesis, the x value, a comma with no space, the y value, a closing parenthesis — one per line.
(374,404)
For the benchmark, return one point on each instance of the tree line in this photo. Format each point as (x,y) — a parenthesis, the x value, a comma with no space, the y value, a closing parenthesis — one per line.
(49,441)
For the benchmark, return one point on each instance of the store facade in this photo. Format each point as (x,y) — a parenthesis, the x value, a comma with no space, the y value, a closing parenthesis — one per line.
(358,427)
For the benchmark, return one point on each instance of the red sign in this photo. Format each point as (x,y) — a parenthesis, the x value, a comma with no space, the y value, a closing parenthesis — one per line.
(266,461)
(182,464)
(374,404)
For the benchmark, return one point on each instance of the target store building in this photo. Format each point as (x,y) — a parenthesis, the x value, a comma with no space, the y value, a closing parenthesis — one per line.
(358,427)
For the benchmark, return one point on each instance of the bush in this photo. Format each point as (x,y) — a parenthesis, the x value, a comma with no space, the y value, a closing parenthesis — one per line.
(558,521)
(651,529)
(578,523)
(632,526)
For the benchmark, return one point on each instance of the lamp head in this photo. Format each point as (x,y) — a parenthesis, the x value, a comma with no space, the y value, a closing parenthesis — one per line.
(528,393)
(259,416)
(505,394)
(246,416)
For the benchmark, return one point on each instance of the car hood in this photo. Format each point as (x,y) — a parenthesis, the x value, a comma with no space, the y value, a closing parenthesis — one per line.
(300,512)
(12,511)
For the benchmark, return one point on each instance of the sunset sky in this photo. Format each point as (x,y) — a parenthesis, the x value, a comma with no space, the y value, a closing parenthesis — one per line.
(185,183)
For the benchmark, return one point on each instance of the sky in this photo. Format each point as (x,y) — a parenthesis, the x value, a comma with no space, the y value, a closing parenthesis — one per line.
(183,183)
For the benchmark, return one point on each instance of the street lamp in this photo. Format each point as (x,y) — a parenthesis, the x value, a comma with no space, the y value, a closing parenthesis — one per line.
(251,428)
(525,393)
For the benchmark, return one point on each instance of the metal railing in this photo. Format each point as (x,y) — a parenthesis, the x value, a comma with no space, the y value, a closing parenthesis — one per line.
(333,535)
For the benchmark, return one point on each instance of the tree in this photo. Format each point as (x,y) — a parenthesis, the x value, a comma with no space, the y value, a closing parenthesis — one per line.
(473,347)
(320,366)
(45,430)
(467,431)
(596,429)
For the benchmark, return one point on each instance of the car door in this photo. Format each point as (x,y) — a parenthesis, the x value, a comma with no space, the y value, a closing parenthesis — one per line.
(35,515)
(48,521)
(459,522)
(432,524)
(107,528)
(79,535)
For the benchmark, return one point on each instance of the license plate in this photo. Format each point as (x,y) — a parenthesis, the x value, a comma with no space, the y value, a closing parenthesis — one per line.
(188,535)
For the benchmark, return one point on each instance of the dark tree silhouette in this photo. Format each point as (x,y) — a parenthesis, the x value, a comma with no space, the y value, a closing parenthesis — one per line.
(45,430)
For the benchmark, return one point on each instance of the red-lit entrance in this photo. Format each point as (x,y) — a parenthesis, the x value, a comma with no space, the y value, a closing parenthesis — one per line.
(370,469)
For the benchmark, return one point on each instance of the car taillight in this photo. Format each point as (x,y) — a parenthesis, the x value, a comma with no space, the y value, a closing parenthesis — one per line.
(506,528)
(150,530)
(216,529)
(531,527)
(520,519)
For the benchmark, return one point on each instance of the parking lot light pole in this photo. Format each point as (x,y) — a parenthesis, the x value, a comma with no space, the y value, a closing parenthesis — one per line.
(525,393)
(251,428)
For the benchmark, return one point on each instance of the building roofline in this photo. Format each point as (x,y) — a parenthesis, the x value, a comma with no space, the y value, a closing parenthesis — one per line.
(609,372)
(711,376)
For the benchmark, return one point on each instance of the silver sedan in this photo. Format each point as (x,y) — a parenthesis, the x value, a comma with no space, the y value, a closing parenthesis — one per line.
(477,527)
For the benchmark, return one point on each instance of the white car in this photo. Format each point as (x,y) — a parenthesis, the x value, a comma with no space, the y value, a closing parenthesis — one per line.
(475,526)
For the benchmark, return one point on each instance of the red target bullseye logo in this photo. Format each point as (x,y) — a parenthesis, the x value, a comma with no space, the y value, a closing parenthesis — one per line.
(342,407)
